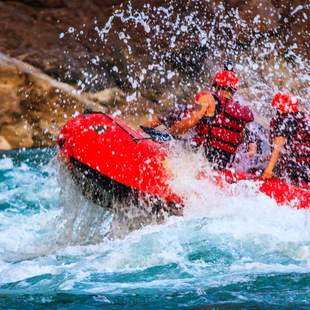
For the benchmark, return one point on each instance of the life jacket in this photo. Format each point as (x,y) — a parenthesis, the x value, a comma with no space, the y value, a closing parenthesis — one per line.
(225,130)
(297,148)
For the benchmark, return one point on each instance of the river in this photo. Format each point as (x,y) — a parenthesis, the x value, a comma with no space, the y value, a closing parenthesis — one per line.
(238,251)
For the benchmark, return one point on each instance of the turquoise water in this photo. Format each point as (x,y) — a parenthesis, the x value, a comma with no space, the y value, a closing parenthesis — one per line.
(236,250)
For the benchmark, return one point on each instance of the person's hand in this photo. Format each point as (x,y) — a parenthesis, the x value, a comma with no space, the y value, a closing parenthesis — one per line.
(267,174)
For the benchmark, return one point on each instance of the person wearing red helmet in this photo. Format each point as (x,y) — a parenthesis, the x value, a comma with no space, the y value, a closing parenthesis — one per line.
(290,141)
(217,120)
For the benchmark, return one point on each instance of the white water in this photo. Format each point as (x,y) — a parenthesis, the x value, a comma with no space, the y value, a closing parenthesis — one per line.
(234,234)
(52,239)
(262,69)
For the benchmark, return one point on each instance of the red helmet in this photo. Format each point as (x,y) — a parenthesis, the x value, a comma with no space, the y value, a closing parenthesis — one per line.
(226,78)
(285,103)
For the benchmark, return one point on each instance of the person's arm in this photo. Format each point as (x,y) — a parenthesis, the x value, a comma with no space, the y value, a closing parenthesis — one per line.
(279,143)
(152,123)
(205,103)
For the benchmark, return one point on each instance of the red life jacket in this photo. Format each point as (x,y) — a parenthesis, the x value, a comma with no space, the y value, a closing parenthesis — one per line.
(224,131)
(297,147)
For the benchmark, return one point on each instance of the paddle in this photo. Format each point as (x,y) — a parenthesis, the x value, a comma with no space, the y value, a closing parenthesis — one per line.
(258,178)
(156,134)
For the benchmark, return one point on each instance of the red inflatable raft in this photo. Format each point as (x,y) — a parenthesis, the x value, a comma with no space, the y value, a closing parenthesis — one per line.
(110,160)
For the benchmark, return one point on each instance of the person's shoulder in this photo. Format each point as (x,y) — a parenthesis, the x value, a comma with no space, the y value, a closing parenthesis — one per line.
(202,94)
(302,116)
(291,119)
(286,125)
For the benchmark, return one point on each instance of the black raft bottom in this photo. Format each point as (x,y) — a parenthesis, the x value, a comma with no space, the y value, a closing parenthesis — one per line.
(117,197)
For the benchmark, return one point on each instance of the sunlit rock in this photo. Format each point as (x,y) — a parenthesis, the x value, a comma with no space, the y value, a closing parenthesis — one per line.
(34,106)
(4,144)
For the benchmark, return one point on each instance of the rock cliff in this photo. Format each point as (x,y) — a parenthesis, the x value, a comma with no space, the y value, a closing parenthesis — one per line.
(34,106)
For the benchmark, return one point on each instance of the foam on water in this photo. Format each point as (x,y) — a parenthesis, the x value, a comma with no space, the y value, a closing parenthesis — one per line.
(232,246)
(226,239)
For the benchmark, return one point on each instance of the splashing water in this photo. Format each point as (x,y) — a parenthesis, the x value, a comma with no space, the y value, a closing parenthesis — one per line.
(232,249)
(236,249)
(183,46)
